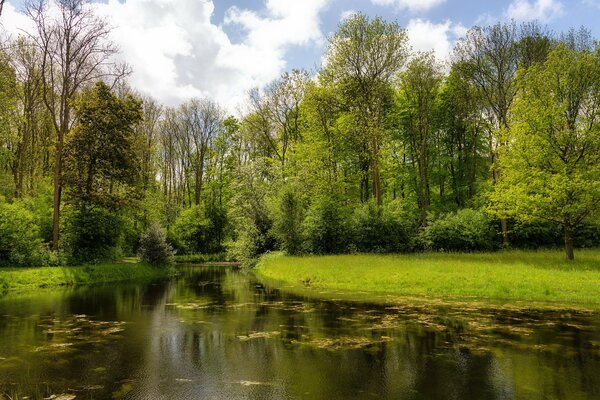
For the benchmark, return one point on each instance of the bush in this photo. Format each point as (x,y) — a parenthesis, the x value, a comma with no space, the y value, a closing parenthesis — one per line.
(20,242)
(93,235)
(465,230)
(533,235)
(325,228)
(197,230)
(154,248)
(382,229)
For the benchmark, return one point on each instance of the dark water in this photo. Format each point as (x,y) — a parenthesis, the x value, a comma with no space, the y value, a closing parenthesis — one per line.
(216,333)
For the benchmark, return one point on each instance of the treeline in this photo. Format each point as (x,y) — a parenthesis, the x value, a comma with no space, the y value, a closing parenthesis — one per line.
(383,150)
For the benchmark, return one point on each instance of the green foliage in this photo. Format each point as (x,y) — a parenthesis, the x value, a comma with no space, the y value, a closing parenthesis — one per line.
(381,230)
(20,242)
(93,235)
(551,163)
(154,248)
(464,230)
(101,165)
(326,227)
(199,230)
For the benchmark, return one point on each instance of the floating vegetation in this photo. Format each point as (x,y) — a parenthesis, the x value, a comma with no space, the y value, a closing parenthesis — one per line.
(123,390)
(252,383)
(64,335)
(344,343)
(64,396)
(258,335)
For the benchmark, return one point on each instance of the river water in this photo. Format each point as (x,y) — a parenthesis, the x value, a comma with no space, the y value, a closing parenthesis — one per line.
(218,333)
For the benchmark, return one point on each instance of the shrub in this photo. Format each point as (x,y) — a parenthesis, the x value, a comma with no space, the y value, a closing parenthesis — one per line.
(465,230)
(381,229)
(533,235)
(94,234)
(326,228)
(154,248)
(197,230)
(20,242)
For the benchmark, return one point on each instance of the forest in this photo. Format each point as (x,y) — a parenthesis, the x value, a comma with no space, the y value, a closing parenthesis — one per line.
(381,150)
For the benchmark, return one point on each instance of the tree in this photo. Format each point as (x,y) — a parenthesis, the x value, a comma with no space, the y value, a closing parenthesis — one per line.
(75,51)
(363,57)
(101,167)
(419,87)
(550,168)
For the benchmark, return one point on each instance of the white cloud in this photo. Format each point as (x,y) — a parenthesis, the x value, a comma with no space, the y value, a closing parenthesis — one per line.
(347,14)
(177,52)
(424,35)
(12,21)
(542,10)
(412,5)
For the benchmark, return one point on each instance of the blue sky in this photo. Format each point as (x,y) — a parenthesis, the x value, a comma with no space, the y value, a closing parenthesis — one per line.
(222,48)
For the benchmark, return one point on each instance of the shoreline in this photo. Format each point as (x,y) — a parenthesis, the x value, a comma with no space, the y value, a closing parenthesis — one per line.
(29,278)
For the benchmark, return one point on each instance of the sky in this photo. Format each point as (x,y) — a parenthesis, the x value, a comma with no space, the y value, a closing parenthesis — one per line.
(180,49)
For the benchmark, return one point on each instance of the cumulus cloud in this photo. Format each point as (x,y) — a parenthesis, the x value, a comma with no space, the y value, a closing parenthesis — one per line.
(412,5)
(177,52)
(424,35)
(542,10)
(13,21)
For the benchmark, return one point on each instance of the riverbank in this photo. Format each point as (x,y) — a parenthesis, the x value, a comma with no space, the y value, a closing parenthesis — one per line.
(540,276)
(41,277)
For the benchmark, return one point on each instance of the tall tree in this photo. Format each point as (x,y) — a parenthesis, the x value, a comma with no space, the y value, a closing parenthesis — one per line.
(101,166)
(75,51)
(363,57)
(419,87)
(201,120)
(551,163)
(489,57)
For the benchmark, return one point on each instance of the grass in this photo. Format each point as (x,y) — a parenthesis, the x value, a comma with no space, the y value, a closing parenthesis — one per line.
(539,276)
(38,277)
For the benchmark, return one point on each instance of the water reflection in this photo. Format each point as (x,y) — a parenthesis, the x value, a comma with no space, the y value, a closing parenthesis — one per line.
(218,333)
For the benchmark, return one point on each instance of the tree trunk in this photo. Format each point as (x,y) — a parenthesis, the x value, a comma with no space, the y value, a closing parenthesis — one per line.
(57,193)
(569,244)
(504,225)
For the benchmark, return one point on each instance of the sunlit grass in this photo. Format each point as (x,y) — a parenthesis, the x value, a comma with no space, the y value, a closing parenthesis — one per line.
(509,275)
(30,278)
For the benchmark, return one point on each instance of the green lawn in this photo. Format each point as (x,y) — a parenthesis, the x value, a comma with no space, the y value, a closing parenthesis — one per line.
(31,278)
(507,275)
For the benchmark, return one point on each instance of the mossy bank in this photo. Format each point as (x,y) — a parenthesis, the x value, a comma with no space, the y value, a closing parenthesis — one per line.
(510,276)
(39,277)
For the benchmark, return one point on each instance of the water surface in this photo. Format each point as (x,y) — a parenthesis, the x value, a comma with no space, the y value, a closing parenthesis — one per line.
(217,333)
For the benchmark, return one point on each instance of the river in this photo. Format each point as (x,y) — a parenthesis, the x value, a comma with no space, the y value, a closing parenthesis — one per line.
(218,333)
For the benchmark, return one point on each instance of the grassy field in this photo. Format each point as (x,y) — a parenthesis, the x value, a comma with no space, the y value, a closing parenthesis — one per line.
(31,278)
(509,275)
